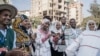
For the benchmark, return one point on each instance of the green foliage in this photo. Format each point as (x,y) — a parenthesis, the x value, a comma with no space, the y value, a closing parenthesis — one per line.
(95,9)
(97,20)
(95,14)
(36,21)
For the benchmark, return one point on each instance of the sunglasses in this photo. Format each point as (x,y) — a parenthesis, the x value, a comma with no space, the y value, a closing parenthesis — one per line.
(91,24)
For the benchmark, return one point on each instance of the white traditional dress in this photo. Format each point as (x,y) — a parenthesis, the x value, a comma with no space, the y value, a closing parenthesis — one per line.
(42,48)
(58,49)
(88,44)
(71,34)
(42,41)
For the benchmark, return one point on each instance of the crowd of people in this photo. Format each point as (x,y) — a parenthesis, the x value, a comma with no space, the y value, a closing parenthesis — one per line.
(57,38)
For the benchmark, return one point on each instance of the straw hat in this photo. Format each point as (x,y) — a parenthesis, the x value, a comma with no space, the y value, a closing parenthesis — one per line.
(9,7)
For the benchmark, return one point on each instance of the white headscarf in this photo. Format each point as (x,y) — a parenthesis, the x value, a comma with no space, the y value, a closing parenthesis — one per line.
(54,29)
(45,21)
(91,21)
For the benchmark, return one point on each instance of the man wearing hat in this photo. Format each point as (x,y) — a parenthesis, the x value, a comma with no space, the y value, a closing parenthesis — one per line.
(7,35)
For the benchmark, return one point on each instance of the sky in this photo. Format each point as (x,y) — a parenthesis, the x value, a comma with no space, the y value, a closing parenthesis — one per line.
(86,6)
(26,5)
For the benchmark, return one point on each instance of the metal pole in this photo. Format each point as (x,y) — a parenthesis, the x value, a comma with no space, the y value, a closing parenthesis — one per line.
(68,10)
(52,10)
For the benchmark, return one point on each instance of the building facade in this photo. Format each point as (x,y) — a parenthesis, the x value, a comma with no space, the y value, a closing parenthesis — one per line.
(75,11)
(57,8)
(25,12)
(54,8)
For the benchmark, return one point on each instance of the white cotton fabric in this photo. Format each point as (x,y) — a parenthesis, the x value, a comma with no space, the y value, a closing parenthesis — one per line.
(87,44)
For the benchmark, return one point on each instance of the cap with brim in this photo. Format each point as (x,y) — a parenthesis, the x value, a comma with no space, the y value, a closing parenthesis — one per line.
(9,7)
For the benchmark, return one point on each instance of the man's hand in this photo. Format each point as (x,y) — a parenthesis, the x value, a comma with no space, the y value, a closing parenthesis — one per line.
(63,42)
(3,49)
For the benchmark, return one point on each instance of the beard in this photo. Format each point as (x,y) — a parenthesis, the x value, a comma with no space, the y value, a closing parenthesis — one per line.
(63,23)
(45,28)
(73,27)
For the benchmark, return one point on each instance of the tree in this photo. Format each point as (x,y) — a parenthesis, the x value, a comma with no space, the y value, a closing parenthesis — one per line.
(95,13)
(36,21)
(90,18)
(95,9)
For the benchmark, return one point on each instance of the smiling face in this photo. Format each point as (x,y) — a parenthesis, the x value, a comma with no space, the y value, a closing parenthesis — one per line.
(91,26)
(25,23)
(5,17)
(58,25)
(46,25)
(73,23)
